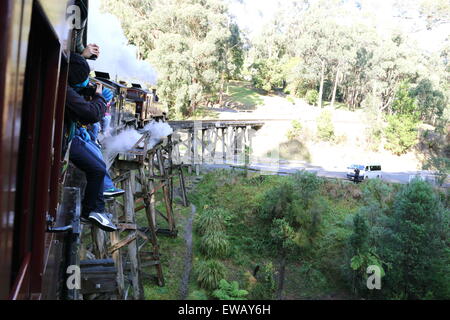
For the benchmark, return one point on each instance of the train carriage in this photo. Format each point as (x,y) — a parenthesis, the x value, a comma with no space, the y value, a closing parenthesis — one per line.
(36,38)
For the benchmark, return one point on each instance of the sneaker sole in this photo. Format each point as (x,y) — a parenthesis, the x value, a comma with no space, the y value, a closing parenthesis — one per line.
(102,226)
(106,194)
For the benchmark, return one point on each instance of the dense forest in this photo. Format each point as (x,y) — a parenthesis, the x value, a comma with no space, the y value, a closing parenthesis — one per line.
(309,49)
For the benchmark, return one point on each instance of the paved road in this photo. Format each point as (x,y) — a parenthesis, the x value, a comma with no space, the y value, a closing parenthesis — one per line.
(290,168)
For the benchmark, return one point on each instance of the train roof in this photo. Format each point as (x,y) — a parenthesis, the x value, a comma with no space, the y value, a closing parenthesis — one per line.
(104,77)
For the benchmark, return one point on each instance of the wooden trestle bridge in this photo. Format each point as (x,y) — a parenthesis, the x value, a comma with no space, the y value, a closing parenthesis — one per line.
(114,264)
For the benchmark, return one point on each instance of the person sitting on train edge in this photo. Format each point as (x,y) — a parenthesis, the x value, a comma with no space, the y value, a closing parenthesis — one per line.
(82,112)
(90,137)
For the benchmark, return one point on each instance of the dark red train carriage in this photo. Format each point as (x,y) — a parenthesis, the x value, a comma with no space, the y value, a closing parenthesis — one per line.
(36,41)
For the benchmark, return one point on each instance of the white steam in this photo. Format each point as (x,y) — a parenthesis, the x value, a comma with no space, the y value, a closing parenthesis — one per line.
(124,141)
(158,131)
(116,57)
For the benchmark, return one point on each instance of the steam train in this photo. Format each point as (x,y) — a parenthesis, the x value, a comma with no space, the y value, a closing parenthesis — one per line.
(36,234)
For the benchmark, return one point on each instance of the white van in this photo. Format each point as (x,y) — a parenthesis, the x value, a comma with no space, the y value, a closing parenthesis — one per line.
(365,171)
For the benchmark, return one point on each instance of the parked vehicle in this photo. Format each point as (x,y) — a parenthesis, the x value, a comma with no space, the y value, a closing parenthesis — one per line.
(365,172)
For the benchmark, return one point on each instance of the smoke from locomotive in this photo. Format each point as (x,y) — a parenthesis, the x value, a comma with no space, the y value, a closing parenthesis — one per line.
(117,56)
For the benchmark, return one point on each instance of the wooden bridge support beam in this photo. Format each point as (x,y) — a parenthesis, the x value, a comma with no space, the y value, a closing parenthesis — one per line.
(127,185)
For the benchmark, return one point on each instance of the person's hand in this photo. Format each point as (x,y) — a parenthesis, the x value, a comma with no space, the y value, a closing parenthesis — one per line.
(90,50)
(99,90)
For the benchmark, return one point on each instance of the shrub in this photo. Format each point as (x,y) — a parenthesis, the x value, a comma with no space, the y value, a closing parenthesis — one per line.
(210,220)
(295,131)
(265,287)
(229,291)
(312,96)
(325,127)
(209,273)
(441,166)
(401,133)
(417,244)
(214,244)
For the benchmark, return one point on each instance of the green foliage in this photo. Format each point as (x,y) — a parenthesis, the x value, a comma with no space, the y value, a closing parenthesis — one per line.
(431,103)
(417,246)
(307,185)
(401,133)
(198,295)
(209,274)
(441,166)
(229,291)
(267,74)
(403,103)
(191,44)
(295,131)
(210,220)
(214,244)
(312,96)
(283,235)
(325,127)
(265,286)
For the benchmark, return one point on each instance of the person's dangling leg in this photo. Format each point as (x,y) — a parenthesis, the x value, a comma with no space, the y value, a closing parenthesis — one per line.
(85,160)
(109,189)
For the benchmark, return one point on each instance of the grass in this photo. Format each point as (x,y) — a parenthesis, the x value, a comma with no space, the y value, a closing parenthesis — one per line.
(203,113)
(172,252)
(243,95)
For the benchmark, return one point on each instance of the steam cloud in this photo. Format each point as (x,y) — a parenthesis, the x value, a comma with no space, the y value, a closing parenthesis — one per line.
(116,57)
(125,140)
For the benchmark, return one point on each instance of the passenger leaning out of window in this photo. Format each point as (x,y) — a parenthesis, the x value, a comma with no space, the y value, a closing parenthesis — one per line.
(87,105)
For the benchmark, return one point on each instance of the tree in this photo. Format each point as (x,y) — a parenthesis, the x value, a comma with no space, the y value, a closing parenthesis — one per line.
(289,216)
(401,133)
(193,45)
(430,103)
(362,255)
(417,244)
(325,127)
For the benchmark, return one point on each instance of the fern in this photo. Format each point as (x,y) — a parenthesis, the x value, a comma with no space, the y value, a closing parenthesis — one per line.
(229,291)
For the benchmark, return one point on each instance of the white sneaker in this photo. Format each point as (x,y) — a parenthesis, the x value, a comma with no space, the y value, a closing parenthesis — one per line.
(102,221)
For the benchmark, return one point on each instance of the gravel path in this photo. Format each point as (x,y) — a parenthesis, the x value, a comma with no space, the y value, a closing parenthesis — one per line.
(188,256)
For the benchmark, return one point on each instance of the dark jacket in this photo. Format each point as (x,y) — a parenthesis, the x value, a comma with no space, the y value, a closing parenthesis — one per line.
(78,109)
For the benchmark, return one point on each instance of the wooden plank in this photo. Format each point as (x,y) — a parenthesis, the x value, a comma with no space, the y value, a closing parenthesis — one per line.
(126,226)
(99,242)
(121,243)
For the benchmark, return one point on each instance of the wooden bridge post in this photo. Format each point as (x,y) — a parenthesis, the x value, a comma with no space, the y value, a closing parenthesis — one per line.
(235,143)
(166,192)
(203,142)
(138,291)
(224,145)
(115,239)
(99,242)
(190,152)
(150,212)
